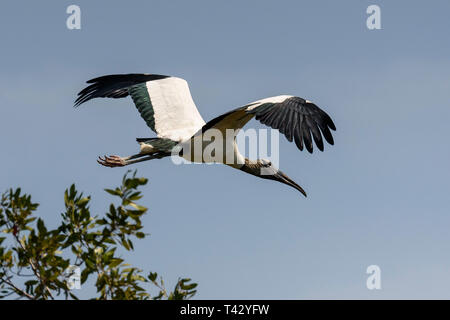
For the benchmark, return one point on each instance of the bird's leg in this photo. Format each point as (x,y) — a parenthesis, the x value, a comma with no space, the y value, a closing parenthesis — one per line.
(116,161)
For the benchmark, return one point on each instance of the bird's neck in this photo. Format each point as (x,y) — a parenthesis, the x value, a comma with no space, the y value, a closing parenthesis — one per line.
(252,167)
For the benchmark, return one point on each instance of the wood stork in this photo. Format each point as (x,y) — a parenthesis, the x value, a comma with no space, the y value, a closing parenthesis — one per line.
(166,105)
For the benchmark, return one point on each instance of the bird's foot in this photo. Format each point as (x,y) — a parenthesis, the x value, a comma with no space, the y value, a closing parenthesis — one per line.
(112,161)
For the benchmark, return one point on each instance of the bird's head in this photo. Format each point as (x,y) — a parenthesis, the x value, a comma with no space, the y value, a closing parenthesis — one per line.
(268,171)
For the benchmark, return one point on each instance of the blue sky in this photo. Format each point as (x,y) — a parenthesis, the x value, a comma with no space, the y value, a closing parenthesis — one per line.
(379,196)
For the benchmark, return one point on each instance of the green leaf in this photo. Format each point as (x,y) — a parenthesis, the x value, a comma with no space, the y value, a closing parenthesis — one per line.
(140,235)
(41,227)
(125,244)
(82,202)
(138,207)
(85,274)
(115,192)
(152,276)
(115,262)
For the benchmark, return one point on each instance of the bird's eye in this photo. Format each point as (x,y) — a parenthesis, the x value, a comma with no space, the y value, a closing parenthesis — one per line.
(267,163)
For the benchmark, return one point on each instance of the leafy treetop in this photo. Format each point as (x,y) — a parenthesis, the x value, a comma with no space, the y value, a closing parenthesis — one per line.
(41,263)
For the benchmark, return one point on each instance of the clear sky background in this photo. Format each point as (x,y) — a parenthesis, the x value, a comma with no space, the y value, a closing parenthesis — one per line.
(379,196)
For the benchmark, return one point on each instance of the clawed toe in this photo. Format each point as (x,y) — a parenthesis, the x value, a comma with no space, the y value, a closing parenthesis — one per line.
(111,161)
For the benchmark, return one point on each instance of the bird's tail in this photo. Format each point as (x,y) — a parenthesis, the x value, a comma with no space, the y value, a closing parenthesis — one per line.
(139,140)
(156,144)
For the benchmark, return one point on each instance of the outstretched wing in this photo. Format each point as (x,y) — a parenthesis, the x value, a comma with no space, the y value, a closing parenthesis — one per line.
(298,119)
(164,102)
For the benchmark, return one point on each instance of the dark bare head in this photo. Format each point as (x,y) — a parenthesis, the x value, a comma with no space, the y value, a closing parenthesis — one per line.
(264,169)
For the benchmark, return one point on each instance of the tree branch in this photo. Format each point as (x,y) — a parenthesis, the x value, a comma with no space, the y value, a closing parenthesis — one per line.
(33,266)
(17,290)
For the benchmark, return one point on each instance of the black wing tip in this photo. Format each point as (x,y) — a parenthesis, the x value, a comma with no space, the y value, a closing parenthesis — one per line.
(331,124)
(298,118)
(113,86)
(325,132)
(80,100)
(128,77)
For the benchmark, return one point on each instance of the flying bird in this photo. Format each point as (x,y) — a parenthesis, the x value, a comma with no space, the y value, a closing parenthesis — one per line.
(165,103)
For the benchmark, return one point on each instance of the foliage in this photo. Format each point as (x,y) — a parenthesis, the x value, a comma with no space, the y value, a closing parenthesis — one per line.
(39,263)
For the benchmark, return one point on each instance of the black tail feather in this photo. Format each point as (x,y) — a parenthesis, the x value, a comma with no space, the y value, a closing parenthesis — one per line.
(145,139)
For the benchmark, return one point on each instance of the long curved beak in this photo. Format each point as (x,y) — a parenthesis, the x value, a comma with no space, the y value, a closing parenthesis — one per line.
(281,177)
